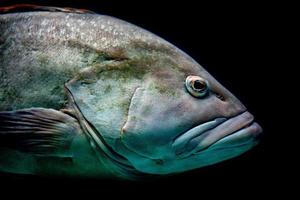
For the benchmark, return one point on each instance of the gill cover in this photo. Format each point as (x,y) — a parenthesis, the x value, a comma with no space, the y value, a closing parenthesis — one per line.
(103,93)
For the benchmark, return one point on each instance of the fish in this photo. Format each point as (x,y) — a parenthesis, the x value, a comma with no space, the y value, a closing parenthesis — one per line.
(90,95)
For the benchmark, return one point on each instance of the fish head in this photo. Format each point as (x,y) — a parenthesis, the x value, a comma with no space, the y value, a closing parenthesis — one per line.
(164,112)
(181,118)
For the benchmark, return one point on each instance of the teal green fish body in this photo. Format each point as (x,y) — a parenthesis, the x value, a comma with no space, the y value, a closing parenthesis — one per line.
(83,94)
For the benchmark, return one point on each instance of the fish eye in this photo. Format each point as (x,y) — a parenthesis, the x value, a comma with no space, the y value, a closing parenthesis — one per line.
(196,86)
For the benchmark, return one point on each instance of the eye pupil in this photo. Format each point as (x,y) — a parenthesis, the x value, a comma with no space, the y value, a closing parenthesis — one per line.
(198,85)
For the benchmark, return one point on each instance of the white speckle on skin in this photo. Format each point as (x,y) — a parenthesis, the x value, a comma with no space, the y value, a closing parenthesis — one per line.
(93,23)
(44,23)
(109,29)
(115,32)
(62,32)
(82,35)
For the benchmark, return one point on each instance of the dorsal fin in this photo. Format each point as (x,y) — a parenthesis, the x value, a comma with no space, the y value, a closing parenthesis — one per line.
(31,7)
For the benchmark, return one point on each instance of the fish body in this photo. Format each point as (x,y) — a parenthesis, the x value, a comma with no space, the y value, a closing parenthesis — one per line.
(83,94)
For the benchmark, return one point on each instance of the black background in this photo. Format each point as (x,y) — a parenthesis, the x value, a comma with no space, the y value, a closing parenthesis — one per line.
(239,45)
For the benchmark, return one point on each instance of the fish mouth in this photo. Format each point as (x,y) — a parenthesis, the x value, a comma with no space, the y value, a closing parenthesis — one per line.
(237,130)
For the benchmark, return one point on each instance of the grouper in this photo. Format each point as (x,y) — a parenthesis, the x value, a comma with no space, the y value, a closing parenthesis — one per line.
(89,95)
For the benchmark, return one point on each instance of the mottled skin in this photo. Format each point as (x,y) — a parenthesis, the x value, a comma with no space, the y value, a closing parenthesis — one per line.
(126,82)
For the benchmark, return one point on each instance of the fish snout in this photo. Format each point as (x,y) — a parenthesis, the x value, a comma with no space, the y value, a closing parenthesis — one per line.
(226,103)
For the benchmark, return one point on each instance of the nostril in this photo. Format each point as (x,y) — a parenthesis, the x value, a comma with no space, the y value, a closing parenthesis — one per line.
(219,96)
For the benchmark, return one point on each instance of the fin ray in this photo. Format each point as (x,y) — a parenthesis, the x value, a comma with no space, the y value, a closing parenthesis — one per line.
(37,130)
(31,7)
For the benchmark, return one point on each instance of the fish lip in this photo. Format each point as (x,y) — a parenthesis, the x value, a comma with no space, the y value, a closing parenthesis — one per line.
(181,140)
(248,134)
(204,139)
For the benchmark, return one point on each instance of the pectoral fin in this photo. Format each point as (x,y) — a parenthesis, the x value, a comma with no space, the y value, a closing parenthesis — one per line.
(37,131)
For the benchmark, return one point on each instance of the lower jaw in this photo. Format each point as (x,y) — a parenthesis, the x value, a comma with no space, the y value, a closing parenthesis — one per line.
(246,136)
